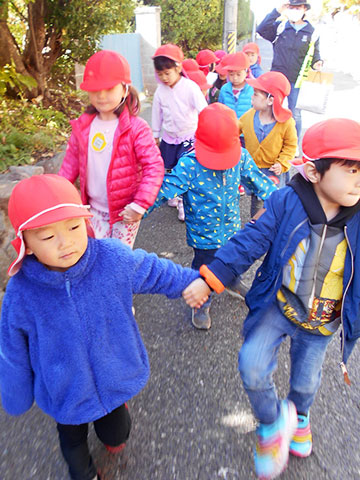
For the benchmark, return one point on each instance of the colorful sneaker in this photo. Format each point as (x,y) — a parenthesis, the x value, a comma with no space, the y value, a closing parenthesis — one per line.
(272,444)
(241,190)
(301,443)
(201,318)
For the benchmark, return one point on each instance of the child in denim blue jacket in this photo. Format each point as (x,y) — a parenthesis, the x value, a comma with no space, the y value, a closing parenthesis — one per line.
(306,288)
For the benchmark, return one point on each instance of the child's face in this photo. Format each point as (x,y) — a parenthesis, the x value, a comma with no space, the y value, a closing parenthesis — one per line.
(339,187)
(106,101)
(261,101)
(59,245)
(237,78)
(253,57)
(169,76)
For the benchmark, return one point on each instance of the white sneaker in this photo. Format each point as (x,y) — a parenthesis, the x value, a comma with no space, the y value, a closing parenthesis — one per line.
(173,202)
(181,212)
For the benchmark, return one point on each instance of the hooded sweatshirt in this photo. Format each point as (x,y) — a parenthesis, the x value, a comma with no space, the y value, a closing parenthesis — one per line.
(312,285)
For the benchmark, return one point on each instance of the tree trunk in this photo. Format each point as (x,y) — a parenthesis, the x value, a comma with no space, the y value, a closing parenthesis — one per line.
(34,60)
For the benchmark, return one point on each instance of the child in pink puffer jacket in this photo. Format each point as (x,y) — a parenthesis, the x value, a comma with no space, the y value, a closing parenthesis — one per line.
(113,151)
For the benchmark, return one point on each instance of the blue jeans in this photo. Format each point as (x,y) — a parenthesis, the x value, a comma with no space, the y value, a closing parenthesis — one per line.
(292,99)
(258,361)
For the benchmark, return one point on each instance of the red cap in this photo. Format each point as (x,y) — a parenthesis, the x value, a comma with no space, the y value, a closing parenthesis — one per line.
(220,68)
(171,51)
(279,87)
(332,138)
(236,61)
(252,47)
(205,58)
(104,70)
(190,65)
(219,55)
(217,141)
(199,78)
(38,201)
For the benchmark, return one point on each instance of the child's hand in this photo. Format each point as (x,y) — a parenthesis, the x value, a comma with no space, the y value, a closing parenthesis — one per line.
(276,168)
(157,141)
(130,216)
(196,293)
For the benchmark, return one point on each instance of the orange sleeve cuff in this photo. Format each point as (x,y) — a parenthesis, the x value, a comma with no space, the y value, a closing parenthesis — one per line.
(211,279)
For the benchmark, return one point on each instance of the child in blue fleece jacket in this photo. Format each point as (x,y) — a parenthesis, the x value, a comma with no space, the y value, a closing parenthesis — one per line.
(68,337)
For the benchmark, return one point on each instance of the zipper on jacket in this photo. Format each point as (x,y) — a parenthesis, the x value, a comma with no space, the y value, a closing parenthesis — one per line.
(283,253)
(312,294)
(67,286)
(342,364)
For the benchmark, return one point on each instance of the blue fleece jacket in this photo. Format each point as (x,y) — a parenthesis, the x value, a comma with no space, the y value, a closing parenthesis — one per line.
(69,339)
(242,103)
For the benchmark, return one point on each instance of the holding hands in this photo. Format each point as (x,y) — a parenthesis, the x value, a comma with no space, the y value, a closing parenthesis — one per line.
(196,293)
(129,215)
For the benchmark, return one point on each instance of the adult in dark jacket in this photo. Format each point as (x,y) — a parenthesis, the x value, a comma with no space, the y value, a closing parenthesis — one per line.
(291,40)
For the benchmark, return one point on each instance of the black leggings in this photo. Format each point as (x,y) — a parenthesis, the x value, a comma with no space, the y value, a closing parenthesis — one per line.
(112,430)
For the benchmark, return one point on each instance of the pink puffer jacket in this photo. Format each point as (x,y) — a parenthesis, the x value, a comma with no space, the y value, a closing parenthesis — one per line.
(136,170)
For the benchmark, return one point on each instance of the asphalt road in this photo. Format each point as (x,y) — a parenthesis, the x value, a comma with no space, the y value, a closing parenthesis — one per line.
(193,421)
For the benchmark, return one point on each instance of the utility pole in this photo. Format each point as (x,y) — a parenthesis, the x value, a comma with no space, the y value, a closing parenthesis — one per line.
(230,25)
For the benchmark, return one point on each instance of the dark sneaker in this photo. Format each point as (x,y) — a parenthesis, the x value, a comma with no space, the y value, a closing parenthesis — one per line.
(201,318)
(273,441)
(301,443)
(238,289)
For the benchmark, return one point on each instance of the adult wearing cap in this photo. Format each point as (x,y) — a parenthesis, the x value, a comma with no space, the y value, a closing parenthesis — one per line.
(291,41)
(208,179)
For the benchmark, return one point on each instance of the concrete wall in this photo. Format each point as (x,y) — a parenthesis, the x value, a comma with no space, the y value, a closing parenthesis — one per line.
(148,25)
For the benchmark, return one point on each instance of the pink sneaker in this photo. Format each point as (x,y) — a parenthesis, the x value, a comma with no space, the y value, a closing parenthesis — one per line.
(181,212)
(173,202)
(241,190)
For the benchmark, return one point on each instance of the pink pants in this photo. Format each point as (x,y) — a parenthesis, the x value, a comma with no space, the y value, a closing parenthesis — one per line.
(125,232)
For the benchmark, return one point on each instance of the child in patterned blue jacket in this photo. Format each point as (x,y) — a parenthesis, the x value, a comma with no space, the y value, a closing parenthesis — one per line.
(208,178)
(68,337)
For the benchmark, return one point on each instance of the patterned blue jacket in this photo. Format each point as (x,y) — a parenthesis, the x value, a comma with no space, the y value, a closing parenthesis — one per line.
(211,197)
(241,104)
(69,339)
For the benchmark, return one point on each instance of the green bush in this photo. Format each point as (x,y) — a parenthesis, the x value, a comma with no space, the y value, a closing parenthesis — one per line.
(30,132)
